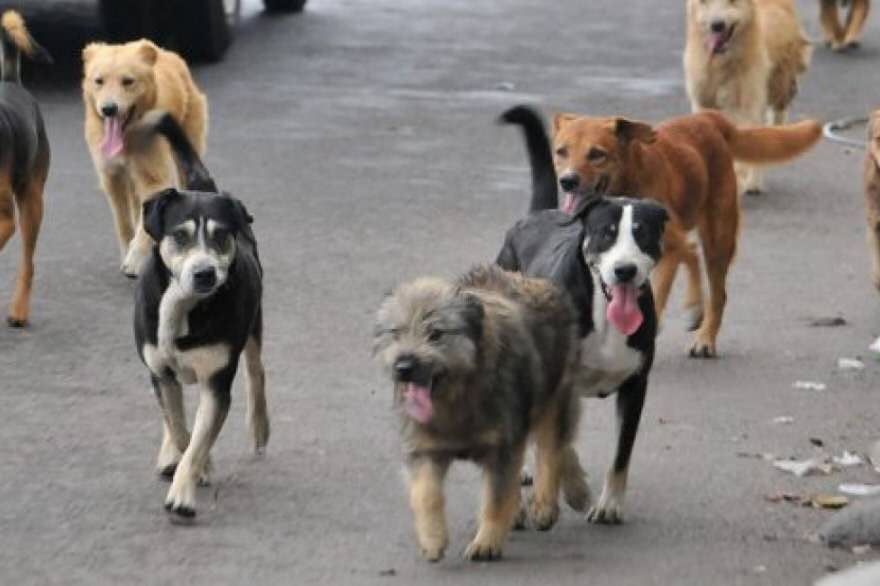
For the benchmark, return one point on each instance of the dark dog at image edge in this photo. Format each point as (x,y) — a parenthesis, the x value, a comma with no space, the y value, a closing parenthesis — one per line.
(602,255)
(24,157)
(197,309)
(480,366)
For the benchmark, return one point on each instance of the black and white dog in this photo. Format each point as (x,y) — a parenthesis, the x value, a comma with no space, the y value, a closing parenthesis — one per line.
(602,255)
(197,308)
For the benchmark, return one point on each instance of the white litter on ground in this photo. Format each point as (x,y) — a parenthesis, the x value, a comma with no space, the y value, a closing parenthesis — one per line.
(860,489)
(850,364)
(783,420)
(848,460)
(809,385)
(875,347)
(801,468)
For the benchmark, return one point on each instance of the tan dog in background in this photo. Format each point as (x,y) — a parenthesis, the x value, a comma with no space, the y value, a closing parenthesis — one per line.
(841,38)
(120,84)
(872,193)
(687,165)
(743,57)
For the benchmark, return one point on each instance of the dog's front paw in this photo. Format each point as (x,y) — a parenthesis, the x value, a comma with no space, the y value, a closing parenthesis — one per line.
(543,516)
(702,349)
(479,551)
(133,262)
(608,511)
(181,499)
(16,322)
(433,549)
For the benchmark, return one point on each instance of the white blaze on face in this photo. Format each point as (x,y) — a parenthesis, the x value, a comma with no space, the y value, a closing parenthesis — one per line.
(192,247)
(625,251)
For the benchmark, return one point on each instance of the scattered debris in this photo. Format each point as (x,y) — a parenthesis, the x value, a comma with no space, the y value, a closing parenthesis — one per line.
(760,569)
(766,456)
(786,497)
(808,385)
(860,489)
(848,460)
(861,549)
(828,322)
(390,572)
(783,420)
(875,346)
(505,86)
(817,441)
(830,501)
(804,467)
(850,364)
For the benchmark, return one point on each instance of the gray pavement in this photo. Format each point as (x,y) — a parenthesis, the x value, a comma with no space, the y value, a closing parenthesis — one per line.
(361,136)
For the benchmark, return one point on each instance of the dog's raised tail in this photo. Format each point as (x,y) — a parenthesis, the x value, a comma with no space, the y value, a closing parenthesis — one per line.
(772,144)
(544,193)
(195,175)
(15,40)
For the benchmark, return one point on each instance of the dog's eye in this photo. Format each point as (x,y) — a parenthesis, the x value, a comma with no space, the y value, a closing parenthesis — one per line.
(562,152)
(127,81)
(596,155)
(223,239)
(434,335)
(181,238)
(99,81)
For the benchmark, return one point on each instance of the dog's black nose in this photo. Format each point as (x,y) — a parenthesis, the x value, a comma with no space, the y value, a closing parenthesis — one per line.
(625,272)
(109,110)
(718,26)
(405,366)
(569,181)
(205,279)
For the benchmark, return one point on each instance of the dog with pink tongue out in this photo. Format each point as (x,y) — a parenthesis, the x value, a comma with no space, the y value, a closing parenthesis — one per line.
(121,83)
(481,367)
(601,251)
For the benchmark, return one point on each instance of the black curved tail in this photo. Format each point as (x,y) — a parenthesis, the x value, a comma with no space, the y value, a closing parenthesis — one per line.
(195,174)
(544,192)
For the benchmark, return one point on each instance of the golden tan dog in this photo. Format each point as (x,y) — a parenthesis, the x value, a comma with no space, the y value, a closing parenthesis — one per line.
(872,193)
(120,84)
(842,37)
(743,57)
(687,165)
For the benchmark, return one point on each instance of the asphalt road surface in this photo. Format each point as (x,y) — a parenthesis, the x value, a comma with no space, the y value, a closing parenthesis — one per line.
(361,137)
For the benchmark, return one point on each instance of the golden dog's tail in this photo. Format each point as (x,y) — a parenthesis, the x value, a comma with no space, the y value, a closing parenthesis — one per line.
(769,144)
(15,40)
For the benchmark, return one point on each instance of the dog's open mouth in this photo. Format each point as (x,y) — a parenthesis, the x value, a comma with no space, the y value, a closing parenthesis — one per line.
(623,309)
(114,134)
(718,42)
(572,198)
(417,402)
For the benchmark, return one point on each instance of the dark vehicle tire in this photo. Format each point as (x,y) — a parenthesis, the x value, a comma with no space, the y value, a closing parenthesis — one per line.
(203,32)
(284,5)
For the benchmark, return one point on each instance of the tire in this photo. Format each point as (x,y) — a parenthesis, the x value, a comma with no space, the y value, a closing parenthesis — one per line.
(125,20)
(203,32)
(284,5)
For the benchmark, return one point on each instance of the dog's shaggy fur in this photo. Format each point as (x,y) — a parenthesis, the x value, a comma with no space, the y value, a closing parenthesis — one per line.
(687,165)
(744,57)
(872,193)
(120,84)
(24,157)
(480,366)
(842,37)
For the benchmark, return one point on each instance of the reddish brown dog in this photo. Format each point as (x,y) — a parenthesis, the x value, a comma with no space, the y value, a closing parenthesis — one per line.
(687,164)
(872,193)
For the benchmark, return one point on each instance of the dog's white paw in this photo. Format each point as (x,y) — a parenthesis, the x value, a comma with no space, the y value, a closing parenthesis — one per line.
(181,498)
(609,509)
(133,262)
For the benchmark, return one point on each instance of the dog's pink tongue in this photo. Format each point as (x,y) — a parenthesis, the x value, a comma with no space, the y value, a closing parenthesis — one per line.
(113,141)
(714,41)
(417,402)
(623,311)
(568,204)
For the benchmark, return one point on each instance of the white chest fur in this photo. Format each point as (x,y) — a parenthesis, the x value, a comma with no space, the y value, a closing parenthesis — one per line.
(195,365)
(606,360)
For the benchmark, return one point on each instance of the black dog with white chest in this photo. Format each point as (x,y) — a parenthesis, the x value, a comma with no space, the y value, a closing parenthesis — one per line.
(602,255)
(197,309)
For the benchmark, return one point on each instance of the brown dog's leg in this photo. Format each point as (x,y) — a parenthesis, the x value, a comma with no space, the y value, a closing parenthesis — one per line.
(678,249)
(549,454)
(30,216)
(874,246)
(855,22)
(831,29)
(117,189)
(425,478)
(719,246)
(500,504)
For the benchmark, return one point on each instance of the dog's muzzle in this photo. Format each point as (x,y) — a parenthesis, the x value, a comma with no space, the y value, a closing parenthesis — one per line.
(204,280)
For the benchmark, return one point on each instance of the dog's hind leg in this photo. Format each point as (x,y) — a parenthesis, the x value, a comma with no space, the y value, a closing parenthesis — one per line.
(425,476)
(258,416)
(117,189)
(544,505)
(210,415)
(831,29)
(500,503)
(855,22)
(874,247)
(30,217)
(630,400)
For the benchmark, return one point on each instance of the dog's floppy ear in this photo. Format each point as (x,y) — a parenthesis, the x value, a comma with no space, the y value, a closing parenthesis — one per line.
(656,211)
(90,50)
(148,52)
(561,119)
(154,212)
(473,313)
(631,130)
(240,216)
